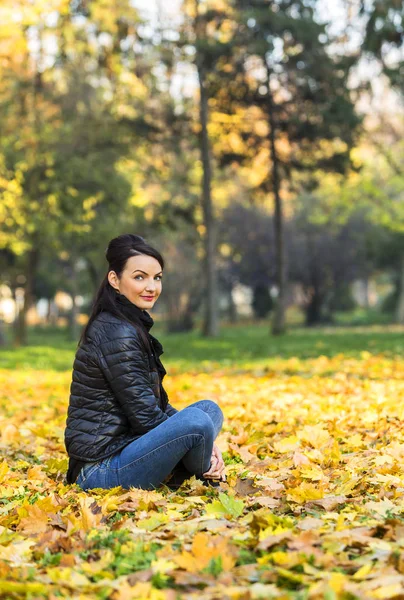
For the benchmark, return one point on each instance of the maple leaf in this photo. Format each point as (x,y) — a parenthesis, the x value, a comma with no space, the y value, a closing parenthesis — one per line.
(382,507)
(304,493)
(35,521)
(287,444)
(243,452)
(91,514)
(17,552)
(315,435)
(227,506)
(204,549)
(4,469)
(330,502)
(153,522)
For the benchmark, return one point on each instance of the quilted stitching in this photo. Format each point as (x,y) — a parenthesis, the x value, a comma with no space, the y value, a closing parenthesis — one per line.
(114,393)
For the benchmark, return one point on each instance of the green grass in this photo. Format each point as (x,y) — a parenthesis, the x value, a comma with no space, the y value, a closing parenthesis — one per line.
(237,346)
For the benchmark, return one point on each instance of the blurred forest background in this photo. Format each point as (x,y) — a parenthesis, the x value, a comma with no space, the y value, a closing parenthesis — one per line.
(258,144)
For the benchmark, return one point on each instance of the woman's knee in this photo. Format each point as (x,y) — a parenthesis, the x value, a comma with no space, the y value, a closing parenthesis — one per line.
(209,406)
(198,421)
(213,409)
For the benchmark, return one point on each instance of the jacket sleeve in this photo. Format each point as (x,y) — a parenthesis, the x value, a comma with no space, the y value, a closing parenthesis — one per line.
(125,366)
(170,410)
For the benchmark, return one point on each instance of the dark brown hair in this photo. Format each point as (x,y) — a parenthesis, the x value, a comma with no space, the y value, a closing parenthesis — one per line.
(119,250)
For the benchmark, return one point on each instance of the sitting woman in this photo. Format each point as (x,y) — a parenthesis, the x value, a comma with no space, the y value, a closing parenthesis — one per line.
(120,428)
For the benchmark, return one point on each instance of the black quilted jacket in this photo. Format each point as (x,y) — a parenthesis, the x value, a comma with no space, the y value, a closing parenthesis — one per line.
(115,391)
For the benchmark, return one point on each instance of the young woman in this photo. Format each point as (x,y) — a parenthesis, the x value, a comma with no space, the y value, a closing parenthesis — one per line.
(120,428)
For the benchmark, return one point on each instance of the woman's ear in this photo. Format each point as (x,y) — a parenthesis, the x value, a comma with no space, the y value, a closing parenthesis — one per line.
(113,280)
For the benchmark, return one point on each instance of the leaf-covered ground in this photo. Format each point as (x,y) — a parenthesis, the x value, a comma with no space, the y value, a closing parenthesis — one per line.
(312,508)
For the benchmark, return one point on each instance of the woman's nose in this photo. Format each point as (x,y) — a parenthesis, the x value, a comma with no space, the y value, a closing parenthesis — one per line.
(151,285)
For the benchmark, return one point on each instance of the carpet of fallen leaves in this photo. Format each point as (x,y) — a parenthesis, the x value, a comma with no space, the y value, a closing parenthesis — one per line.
(313,506)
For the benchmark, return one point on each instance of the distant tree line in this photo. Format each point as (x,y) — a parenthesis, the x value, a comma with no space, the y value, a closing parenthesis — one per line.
(225,135)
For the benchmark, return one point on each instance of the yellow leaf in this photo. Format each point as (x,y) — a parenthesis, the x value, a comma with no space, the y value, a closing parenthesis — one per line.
(91,515)
(23,588)
(6,492)
(17,553)
(312,472)
(382,507)
(290,576)
(337,582)
(355,441)
(272,531)
(36,520)
(162,565)
(314,435)
(287,444)
(200,544)
(10,433)
(154,521)
(94,567)
(4,469)
(300,459)
(304,493)
(204,548)
(388,591)
(36,473)
(363,571)
(67,576)
(383,459)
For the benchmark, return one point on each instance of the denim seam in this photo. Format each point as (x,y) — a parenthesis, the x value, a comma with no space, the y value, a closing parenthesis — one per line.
(84,476)
(107,462)
(162,446)
(203,454)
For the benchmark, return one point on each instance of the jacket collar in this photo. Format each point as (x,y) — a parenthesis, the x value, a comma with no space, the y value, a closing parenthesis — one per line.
(133,312)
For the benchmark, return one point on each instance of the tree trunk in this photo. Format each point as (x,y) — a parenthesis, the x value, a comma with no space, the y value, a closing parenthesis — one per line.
(13,288)
(2,333)
(48,311)
(185,321)
(400,301)
(93,273)
(211,323)
(278,323)
(30,273)
(53,313)
(73,325)
(313,309)
(232,310)
(366,292)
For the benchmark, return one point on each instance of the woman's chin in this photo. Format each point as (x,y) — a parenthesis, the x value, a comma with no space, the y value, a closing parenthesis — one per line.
(146,305)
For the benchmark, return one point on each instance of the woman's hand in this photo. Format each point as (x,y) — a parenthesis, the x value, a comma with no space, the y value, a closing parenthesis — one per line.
(217,468)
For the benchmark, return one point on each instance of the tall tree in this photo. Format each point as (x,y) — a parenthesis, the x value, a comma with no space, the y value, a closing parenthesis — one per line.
(384,37)
(204,35)
(62,96)
(297,90)
(211,318)
(384,41)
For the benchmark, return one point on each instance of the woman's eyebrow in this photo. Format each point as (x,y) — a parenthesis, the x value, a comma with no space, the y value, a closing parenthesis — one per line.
(144,272)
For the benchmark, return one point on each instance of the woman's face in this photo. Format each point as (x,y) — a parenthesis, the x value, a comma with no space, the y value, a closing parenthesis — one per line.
(140,281)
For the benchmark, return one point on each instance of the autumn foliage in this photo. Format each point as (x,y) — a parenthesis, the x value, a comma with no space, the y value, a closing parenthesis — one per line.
(312,508)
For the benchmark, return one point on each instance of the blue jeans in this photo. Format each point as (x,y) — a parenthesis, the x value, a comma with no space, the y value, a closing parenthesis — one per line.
(181,445)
